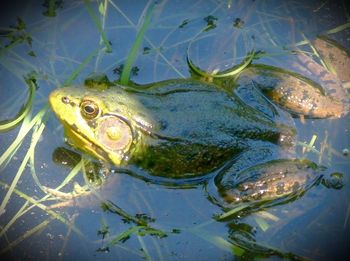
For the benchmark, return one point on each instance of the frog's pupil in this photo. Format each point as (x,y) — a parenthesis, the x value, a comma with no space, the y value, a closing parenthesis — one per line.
(89,109)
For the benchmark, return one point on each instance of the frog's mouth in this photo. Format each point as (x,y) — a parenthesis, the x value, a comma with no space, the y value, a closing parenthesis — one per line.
(79,141)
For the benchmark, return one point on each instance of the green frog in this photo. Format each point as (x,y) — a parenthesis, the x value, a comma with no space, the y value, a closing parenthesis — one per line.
(237,133)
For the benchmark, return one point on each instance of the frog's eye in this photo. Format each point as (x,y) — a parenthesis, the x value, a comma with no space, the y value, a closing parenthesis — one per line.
(89,109)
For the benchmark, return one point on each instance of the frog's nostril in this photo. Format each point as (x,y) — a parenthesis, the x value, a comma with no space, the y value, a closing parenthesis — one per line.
(65,100)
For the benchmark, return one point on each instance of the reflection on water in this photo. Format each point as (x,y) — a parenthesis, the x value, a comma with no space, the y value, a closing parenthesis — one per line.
(135,215)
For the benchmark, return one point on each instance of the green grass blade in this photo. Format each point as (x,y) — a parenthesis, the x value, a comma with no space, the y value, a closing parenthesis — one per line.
(98,25)
(7,158)
(125,76)
(219,242)
(19,213)
(262,223)
(233,211)
(22,135)
(124,235)
(26,235)
(154,47)
(81,66)
(233,71)
(45,208)
(144,248)
(28,105)
(71,175)
(3,50)
(35,139)
(338,28)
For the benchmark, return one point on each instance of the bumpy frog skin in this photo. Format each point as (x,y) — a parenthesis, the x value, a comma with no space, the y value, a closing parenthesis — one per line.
(185,129)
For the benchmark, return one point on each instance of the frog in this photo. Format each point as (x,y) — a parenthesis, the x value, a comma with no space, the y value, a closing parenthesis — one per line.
(236,133)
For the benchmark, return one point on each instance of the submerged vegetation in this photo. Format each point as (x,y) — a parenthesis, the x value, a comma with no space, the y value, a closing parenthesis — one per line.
(31,131)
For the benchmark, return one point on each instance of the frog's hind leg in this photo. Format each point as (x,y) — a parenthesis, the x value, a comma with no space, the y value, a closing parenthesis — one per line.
(333,74)
(253,97)
(296,93)
(229,176)
(267,183)
(330,82)
(335,56)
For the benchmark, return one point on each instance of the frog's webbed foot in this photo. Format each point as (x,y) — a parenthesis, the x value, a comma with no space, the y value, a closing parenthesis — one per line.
(269,183)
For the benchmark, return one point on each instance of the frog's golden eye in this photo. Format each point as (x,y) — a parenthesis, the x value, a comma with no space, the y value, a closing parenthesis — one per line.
(89,109)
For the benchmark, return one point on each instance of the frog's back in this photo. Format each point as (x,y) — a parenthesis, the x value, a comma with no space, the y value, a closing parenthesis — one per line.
(201,125)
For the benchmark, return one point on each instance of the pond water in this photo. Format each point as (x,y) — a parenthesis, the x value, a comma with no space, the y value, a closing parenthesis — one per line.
(61,43)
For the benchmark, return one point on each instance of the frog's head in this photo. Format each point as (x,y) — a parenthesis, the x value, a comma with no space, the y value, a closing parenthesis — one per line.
(91,125)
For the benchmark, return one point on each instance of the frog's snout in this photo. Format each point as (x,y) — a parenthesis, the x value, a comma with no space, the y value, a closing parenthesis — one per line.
(58,101)
(54,99)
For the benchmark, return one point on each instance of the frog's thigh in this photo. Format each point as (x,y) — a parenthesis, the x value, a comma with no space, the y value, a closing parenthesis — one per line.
(304,97)
(266,181)
(330,82)
(261,153)
(334,55)
(252,96)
